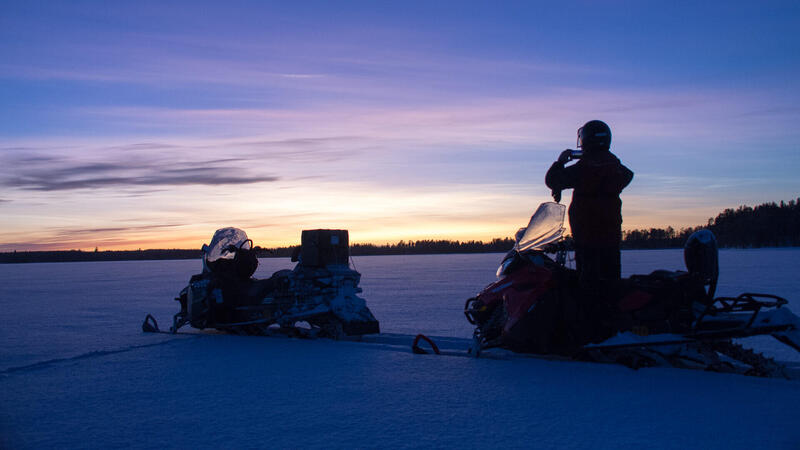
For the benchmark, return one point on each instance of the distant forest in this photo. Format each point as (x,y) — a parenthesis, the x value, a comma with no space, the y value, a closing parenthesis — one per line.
(106,255)
(425,247)
(767,225)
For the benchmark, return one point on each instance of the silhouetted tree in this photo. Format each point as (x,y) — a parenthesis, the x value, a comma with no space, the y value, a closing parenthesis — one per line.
(766,225)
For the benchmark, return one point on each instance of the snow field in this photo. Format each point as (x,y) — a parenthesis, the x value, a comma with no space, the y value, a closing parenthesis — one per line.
(77,372)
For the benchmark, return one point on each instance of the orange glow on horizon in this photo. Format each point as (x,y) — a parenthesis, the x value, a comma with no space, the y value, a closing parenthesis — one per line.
(274,215)
(378,234)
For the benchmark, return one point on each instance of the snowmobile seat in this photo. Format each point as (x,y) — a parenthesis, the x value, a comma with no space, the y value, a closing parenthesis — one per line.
(663,296)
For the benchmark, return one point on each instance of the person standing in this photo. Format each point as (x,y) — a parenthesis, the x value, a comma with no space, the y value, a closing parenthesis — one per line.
(595,214)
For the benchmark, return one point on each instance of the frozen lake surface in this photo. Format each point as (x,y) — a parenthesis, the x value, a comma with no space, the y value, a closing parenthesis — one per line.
(76,371)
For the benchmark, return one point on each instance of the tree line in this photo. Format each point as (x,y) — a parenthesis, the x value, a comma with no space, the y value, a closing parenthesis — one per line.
(766,225)
(421,247)
(106,255)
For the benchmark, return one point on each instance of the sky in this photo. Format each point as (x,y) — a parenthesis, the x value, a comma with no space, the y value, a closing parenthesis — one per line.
(128,125)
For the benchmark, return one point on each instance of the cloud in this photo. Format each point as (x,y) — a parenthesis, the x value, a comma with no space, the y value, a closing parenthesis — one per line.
(345,140)
(78,164)
(143,146)
(154,235)
(209,179)
(55,173)
(300,75)
(72,232)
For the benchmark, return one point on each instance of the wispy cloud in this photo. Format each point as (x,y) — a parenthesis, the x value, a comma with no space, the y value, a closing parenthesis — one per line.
(73,231)
(165,178)
(118,235)
(273,143)
(58,173)
(349,69)
(441,119)
(144,166)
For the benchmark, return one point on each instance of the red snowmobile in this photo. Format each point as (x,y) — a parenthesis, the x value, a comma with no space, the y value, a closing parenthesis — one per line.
(537,305)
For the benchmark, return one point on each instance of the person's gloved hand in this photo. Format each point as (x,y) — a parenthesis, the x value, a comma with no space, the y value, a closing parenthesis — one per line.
(556,193)
(565,156)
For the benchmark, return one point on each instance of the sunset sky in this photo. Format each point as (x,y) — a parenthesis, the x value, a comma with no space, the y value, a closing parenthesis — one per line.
(141,124)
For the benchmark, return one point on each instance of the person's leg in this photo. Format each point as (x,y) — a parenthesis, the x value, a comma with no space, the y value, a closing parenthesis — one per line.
(608,263)
(599,276)
(578,259)
(586,265)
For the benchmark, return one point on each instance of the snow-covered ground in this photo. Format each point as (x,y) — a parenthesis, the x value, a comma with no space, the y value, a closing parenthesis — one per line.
(76,371)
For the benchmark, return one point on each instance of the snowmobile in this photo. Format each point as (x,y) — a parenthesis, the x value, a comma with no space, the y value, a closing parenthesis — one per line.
(665,318)
(318,298)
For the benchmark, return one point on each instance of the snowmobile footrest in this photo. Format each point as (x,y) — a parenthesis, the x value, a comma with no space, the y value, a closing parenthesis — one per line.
(419,350)
(150,325)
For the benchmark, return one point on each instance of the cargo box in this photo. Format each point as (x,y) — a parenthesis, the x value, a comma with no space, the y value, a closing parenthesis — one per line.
(320,248)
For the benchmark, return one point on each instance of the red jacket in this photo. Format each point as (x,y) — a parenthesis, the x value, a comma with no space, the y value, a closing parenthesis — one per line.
(595,214)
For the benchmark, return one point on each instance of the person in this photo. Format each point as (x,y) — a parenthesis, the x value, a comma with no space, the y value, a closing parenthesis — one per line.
(595,214)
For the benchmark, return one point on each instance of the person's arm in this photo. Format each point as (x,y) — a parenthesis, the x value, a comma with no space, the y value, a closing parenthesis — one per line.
(627,176)
(559,177)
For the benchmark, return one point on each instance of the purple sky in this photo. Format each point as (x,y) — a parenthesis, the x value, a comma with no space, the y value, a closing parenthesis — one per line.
(144,125)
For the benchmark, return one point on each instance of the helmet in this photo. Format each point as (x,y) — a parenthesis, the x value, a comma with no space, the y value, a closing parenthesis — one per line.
(595,134)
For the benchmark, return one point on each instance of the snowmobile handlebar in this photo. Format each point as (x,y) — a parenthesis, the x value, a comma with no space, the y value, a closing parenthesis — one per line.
(560,246)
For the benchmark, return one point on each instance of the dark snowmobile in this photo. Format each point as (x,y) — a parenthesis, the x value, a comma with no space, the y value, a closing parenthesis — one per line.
(317,298)
(537,305)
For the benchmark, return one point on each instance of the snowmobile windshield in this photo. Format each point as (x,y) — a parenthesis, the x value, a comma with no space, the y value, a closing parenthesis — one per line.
(546,227)
(225,243)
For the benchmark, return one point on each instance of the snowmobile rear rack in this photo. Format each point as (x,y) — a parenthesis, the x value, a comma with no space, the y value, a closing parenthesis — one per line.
(747,302)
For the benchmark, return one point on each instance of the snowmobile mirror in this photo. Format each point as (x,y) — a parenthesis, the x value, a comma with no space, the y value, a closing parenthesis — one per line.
(296,254)
(701,256)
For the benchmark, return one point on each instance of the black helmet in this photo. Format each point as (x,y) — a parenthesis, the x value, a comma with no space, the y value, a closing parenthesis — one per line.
(595,134)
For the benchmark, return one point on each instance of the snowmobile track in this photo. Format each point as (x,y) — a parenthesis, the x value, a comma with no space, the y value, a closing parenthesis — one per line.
(460,347)
(93,354)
